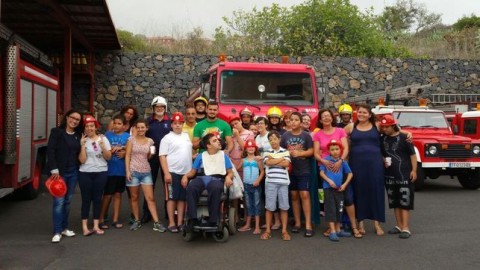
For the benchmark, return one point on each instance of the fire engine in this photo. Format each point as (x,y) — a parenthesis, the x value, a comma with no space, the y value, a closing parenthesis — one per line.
(439,151)
(235,85)
(36,89)
(29,110)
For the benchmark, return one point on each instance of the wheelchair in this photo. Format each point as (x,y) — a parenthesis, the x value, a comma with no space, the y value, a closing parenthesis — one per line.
(225,223)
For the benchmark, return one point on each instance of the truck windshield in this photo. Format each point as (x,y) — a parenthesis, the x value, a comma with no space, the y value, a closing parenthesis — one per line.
(421,119)
(282,87)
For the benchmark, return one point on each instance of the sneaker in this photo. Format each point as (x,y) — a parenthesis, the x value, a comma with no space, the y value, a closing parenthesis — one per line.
(132,219)
(68,233)
(136,225)
(333,237)
(159,227)
(56,238)
(343,233)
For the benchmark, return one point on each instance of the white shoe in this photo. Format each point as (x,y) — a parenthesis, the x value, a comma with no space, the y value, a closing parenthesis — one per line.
(56,238)
(68,233)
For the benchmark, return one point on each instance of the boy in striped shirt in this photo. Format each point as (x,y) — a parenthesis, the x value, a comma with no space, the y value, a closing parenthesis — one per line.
(277,180)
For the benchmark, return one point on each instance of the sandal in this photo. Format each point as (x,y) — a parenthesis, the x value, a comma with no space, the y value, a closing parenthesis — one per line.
(379,231)
(88,233)
(266,236)
(243,229)
(295,229)
(286,236)
(99,232)
(276,227)
(257,232)
(116,225)
(362,231)
(356,233)
(326,233)
(103,226)
(308,233)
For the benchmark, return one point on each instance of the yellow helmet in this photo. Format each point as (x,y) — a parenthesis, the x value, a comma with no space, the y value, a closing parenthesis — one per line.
(202,99)
(345,108)
(274,112)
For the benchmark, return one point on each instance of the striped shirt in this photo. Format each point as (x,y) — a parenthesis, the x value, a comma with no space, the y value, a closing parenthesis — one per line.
(277,174)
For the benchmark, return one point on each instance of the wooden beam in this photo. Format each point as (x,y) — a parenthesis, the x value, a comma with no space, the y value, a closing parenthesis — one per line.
(59,13)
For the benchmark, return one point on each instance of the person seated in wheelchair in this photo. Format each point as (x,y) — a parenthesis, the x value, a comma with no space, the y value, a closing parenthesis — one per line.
(217,173)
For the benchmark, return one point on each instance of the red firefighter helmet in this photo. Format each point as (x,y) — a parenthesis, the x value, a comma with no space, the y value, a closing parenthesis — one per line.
(247,111)
(250,143)
(387,120)
(177,116)
(56,187)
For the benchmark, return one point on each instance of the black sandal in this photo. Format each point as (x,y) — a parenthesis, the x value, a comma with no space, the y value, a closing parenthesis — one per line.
(356,233)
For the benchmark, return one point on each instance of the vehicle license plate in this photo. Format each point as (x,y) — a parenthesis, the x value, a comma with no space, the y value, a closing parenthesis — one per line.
(460,165)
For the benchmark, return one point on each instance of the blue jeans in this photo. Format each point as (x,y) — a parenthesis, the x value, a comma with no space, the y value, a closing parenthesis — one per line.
(61,206)
(252,199)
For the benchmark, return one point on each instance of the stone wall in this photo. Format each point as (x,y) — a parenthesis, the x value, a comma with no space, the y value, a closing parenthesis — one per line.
(135,78)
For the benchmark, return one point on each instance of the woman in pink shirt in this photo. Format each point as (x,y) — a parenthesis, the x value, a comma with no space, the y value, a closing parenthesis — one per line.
(328,131)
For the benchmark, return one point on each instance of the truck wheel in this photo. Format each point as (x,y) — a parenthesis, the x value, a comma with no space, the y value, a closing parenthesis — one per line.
(470,180)
(420,177)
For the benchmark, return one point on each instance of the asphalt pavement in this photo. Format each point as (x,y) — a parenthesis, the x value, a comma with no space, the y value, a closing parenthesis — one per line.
(445,235)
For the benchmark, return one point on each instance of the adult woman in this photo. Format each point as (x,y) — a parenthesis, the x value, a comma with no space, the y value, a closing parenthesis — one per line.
(131,115)
(306,121)
(326,133)
(94,153)
(367,165)
(63,148)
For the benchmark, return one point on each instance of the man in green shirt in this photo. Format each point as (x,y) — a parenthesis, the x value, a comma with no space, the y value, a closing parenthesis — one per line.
(212,124)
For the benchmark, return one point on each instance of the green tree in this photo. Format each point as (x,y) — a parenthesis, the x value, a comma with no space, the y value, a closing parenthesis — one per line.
(467,22)
(315,27)
(131,42)
(406,16)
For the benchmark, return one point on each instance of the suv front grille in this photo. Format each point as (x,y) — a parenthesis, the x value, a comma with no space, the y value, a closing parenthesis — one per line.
(455,151)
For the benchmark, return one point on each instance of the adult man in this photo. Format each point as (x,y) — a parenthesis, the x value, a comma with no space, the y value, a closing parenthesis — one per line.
(345,112)
(212,125)
(214,169)
(200,104)
(159,125)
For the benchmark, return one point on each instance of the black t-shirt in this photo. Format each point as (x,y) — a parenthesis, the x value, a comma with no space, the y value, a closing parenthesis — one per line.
(303,141)
(400,151)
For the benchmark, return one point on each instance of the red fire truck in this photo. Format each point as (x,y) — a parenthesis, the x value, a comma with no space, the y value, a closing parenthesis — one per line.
(439,151)
(235,85)
(29,99)
(34,92)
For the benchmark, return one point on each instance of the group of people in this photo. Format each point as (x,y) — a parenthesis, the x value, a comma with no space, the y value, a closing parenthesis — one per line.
(273,156)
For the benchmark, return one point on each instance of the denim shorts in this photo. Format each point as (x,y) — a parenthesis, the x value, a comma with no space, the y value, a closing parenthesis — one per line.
(139,178)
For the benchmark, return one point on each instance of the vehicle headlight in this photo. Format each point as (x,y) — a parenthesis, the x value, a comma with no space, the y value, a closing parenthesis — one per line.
(432,150)
(476,150)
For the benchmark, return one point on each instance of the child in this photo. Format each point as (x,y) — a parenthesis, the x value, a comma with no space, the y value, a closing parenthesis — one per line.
(176,160)
(116,171)
(252,177)
(277,180)
(300,145)
(400,174)
(139,149)
(333,189)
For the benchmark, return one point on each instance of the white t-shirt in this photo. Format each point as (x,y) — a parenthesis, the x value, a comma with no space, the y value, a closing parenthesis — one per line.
(178,149)
(95,161)
(263,144)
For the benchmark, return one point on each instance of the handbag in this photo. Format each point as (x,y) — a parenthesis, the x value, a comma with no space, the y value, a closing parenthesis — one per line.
(236,190)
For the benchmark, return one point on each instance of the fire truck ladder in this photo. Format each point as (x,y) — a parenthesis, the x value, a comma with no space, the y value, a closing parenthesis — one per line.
(455,98)
(400,93)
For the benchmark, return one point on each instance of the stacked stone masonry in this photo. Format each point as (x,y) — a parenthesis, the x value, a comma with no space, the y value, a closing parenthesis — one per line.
(135,78)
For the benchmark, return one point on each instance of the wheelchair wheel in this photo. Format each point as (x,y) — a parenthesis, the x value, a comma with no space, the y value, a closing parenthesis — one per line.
(221,236)
(232,227)
(188,236)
